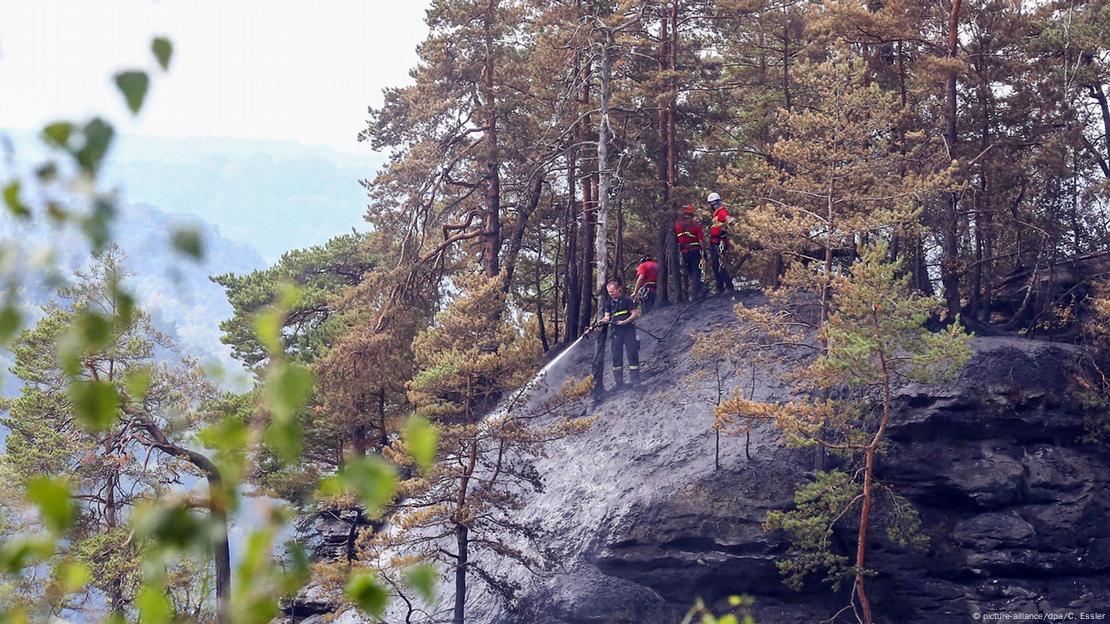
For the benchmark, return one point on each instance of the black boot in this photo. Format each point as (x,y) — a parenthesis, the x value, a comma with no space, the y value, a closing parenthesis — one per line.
(635,377)
(618,378)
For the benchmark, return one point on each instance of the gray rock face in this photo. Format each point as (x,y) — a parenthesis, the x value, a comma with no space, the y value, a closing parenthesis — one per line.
(329,534)
(1014,505)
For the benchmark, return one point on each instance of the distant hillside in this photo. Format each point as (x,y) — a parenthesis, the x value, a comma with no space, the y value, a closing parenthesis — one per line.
(174,289)
(276,195)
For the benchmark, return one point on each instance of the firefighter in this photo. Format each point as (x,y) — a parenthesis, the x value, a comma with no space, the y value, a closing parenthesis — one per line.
(691,238)
(719,243)
(647,282)
(621,313)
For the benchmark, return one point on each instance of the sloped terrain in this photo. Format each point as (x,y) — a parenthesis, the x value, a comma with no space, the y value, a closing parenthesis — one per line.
(1015,505)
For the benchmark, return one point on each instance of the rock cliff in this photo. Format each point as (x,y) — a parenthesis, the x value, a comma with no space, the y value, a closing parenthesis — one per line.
(1015,504)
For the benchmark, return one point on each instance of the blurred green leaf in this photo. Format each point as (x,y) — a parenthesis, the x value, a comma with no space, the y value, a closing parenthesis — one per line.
(72,576)
(10,322)
(163,51)
(16,615)
(229,437)
(268,327)
(422,578)
(171,525)
(285,437)
(137,381)
(299,567)
(268,323)
(52,498)
(134,85)
(372,479)
(287,388)
(421,437)
(94,329)
(97,225)
(18,553)
(58,133)
(154,605)
(12,201)
(363,589)
(96,403)
(98,138)
(188,241)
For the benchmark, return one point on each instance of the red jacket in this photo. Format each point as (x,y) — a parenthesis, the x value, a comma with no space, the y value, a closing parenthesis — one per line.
(689,234)
(649,272)
(717,229)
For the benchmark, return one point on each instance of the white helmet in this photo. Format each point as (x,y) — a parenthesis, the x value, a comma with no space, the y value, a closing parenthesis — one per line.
(713,197)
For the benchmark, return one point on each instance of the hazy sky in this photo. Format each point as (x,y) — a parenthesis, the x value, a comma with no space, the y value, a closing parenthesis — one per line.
(254,69)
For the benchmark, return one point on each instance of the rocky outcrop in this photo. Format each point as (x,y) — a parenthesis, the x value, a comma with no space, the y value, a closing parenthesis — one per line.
(1016,507)
(327,534)
(1014,504)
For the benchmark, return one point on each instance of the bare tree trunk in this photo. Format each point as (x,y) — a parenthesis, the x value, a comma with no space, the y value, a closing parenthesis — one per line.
(571,287)
(111,519)
(462,531)
(539,306)
(603,134)
(1104,109)
(524,213)
(868,483)
(463,543)
(672,157)
(663,286)
(588,216)
(950,243)
(359,433)
(491,233)
(381,417)
(662,116)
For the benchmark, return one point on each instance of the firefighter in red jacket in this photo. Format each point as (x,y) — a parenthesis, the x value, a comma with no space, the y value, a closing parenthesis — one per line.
(719,243)
(647,282)
(691,239)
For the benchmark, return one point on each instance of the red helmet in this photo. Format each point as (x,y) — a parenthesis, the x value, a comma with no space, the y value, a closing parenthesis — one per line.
(688,209)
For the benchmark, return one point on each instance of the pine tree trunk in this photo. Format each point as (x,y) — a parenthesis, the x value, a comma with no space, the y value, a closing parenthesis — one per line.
(115,587)
(381,418)
(571,285)
(462,540)
(603,133)
(221,555)
(868,483)
(491,233)
(672,158)
(539,306)
(661,118)
(950,244)
(663,289)
(586,280)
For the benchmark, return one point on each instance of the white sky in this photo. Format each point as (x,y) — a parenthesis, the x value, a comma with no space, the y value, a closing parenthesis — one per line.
(253,69)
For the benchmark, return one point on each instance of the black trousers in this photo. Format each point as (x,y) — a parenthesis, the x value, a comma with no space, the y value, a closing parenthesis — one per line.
(691,260)
(720,273)
(647,300)
(625,341)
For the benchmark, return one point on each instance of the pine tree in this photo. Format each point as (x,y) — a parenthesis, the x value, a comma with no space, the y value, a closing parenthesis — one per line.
(836,178)
(93,418)
(469,362)
(876,340)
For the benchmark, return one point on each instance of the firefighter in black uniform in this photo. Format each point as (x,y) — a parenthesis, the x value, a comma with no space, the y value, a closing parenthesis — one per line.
(621,313)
